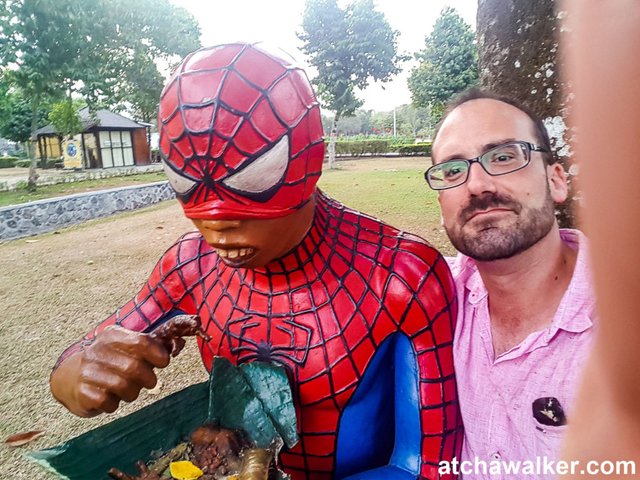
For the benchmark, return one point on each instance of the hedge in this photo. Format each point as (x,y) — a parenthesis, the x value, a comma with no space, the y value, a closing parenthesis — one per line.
(23,163)
(51,163)
(356,148)
(8,162)
(415,149)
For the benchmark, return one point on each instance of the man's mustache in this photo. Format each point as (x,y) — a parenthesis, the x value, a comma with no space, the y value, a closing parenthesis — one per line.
(486,202)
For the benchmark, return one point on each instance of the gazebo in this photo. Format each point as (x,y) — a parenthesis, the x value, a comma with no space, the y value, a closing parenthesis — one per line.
(107,138)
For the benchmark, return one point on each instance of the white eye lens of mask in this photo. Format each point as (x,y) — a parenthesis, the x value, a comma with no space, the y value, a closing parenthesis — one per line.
(179,183)
(263,173)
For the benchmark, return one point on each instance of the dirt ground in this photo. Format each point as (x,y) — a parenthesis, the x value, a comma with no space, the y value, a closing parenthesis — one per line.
(54,288)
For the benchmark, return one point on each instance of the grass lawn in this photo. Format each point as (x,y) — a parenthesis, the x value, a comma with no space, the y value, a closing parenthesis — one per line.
(48,191)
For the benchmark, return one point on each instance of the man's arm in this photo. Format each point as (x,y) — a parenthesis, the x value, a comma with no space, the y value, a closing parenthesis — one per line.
(116,360)
(113,368)
(429,322)
(420,297)
(602,55)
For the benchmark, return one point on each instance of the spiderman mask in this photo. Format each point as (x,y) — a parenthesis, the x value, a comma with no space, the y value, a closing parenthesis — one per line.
(240,134)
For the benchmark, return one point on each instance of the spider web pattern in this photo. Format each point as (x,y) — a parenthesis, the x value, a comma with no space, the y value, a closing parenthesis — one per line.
(322,312)
(223,109)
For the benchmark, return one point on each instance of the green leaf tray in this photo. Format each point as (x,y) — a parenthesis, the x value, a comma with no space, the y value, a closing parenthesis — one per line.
(255,397)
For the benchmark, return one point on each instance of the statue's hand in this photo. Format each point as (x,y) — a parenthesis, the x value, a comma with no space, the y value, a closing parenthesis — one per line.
(115,367)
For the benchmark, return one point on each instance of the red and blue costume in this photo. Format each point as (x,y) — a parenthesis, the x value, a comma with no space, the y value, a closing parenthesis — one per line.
(360,314)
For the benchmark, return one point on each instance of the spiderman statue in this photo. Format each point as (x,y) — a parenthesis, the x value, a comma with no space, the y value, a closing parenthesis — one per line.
(360,314)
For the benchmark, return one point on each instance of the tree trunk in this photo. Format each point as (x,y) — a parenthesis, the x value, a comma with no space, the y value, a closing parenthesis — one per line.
(33,176)
(331,149)
(518,49)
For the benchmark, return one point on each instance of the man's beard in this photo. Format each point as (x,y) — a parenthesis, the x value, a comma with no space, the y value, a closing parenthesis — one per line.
(502,240)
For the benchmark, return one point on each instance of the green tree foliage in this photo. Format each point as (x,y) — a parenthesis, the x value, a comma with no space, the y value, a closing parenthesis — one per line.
(349,47)
(358,124)
(448,64)
(414,121)
(99,49)
(15,112)
(142,89)
(65,119)
(15,121)
(411,122)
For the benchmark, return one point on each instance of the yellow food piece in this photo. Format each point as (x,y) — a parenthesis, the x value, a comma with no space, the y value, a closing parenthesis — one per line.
(184,470)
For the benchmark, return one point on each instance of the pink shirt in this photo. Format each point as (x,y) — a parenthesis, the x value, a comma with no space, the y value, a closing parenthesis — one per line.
(496,396)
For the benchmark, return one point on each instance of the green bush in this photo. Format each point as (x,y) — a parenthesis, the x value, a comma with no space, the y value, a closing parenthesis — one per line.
(356,148)
(8,162)
(23,163)
(400,140)
(51,163)
(55,162)
(415,149)
(21,185)
(376,146)
(155,155)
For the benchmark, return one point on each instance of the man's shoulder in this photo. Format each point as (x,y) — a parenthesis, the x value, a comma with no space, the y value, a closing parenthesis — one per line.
(401,251)
(374,238)
(403,255)
(187,248)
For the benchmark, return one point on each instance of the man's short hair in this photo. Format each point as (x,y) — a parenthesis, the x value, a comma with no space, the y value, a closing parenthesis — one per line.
(475,93)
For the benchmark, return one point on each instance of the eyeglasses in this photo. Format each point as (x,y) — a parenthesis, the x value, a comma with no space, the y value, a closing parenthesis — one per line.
(500,160)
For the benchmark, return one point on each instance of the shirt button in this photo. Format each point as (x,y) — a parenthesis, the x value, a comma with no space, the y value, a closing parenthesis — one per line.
(496,456)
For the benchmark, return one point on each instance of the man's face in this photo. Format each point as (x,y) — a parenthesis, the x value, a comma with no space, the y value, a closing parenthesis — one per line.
(252,243)
(495,217)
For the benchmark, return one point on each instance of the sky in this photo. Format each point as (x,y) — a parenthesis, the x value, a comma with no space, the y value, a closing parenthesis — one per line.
(277,22)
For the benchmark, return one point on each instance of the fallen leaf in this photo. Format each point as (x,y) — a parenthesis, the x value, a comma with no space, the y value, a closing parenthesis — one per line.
(22,438)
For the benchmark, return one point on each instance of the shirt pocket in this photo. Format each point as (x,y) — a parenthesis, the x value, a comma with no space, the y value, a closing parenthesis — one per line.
(547,440)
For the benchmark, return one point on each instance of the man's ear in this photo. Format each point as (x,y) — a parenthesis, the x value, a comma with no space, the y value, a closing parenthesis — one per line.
(558,186)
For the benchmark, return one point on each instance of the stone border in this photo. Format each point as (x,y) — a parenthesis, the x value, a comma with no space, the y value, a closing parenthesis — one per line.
(54,177)
(41,216)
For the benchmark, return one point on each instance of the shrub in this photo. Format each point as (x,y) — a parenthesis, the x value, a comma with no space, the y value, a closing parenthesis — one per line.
(376,146)
(402,140)
(55,163)
(155,155)
(23,163)
(415,149)
(8,162)
(356,148)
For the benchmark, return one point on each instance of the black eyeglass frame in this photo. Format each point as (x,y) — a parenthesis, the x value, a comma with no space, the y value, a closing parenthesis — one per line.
(526,147)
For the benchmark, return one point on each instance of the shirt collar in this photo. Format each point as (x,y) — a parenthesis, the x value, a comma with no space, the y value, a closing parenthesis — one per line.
(576,309)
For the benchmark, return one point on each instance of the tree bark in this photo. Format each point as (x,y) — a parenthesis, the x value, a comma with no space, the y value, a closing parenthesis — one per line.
(33,176)
(331,149)
(518,57)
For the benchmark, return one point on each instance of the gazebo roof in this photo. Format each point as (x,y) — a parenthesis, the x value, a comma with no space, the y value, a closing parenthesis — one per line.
(101,118)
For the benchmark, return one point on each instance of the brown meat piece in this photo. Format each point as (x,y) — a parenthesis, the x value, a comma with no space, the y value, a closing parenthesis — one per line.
(144,473)
(217,450)
(170,333)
